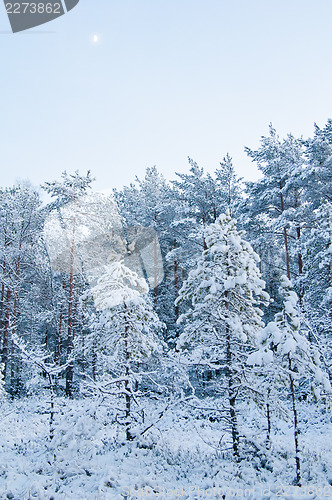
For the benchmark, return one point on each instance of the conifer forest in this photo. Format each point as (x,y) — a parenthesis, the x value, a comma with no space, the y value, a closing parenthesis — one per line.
(172,339)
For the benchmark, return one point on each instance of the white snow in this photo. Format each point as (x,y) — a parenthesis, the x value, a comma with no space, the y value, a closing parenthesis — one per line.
(86,459)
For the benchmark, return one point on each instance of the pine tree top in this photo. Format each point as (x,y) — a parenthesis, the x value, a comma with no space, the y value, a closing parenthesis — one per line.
(119,285)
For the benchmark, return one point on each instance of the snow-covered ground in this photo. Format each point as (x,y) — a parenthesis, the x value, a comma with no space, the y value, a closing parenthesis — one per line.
(185,455)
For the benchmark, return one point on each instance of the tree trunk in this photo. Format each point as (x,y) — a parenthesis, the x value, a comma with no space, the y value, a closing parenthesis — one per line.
(129,436)
(287,253)
(6,330)
(2,300)
(176,288)
(296,430)
(94,361)
(58,347)
(232,398)
(155,271)
(51,423)
(268,435)
(204,242)
(300,263)
(70,339)
(6,244)
(285,234)
(18,265)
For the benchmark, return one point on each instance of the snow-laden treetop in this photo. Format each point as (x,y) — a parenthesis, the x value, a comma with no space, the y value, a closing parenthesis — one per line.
(226,286)
(119,285)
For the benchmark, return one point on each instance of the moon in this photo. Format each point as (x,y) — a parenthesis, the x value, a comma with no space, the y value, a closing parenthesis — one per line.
(95,38)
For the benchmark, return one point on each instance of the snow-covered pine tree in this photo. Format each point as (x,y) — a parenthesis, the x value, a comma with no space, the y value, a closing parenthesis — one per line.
(149,203)
(67,192)
(293,357)
(123,338)
(224,320)
(198,192)
(198,203)
(199,198)
(274,201)
(20,229)
(317,281)
(318,174)
(229,186)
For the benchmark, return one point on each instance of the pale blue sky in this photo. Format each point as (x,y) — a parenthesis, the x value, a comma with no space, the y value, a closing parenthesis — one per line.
(169,78)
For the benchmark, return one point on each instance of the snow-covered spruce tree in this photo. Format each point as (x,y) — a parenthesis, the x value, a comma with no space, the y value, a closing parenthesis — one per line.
(293,358)
(124,336)
(224,319)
